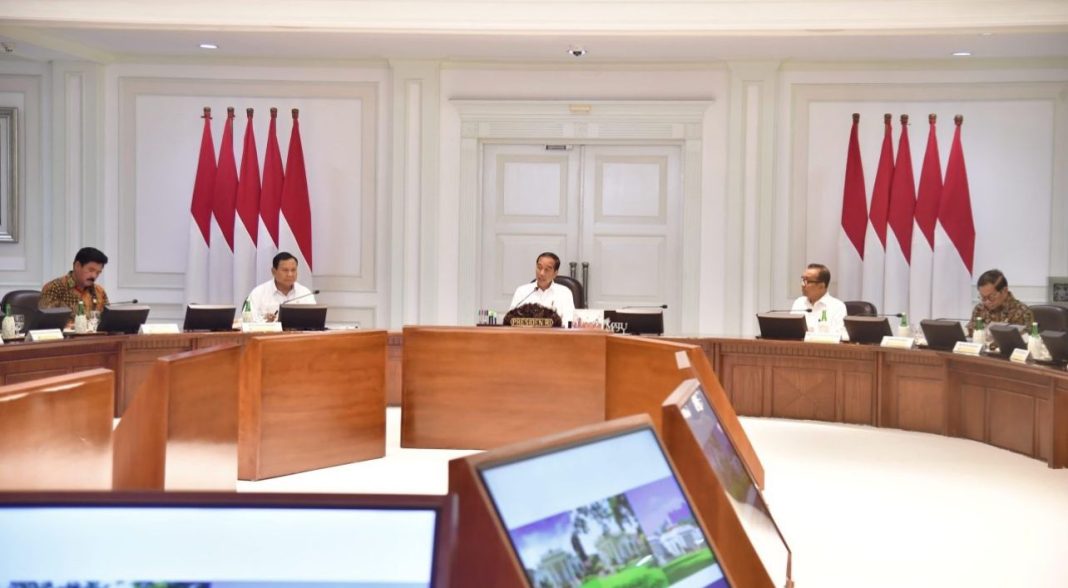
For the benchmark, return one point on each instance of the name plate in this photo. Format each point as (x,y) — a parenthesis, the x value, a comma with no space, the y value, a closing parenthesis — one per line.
(898,342)
(275,327)
(531,322)
(823,337)
(967,348)
(45,335)
(159,329)
(1020,355)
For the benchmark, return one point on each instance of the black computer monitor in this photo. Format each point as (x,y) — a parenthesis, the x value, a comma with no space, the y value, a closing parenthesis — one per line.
(124,318)
(1008,338)
(782,325)
(118,538)
(942,334)
(638,321)
(867,329)
(302,317)
(47,318)
(209,317)
(1057,345)
(607,506)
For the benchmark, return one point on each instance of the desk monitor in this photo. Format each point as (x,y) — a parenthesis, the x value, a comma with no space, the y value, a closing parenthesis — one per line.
(867,329)
(47,318)
(1008,338)
(736,480)
(782,325)
(640,321)
(1057,345)
(122,318)
(209,317)
(942,334)
(302,317)
(606,508)
(190,539)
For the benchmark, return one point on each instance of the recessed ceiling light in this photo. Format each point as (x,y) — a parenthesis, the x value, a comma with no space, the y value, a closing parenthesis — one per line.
(962,54)
(208,46)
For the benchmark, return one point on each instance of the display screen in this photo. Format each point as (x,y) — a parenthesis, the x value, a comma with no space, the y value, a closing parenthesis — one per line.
(601,514)
(156,547)
(742,491)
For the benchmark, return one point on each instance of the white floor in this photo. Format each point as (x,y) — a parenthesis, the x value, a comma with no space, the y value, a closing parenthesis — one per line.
(860,507)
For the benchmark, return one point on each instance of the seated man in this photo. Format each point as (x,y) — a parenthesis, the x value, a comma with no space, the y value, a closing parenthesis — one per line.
(78,285)
(997,304)
(281,288)
(814,297)
(545,291)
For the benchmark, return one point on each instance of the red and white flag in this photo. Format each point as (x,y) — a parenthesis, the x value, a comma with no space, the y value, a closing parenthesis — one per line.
(923,235)
(899,221)
(221,281)
(270,203)
(878,210)
(248,215)
(954,251)
(295,228)
(196,267)
(850,268)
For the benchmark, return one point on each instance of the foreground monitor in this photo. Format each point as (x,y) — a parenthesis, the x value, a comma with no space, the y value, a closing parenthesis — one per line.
(209,317)
(781,325)
(942,334)
(302,317)
(604,506)
(699,445)
(125,318)
(867,329)
(116,539)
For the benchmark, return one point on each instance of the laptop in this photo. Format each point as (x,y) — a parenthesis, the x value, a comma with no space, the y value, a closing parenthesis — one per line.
(1008,338)
(302,317)
(47,318)
(126,318)
(942,334)
(780,325)
(1057,345)
(638,321)
(867,329)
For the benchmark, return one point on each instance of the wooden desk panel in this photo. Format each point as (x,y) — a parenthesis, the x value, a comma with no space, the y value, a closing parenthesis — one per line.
(55,433)
(311,401)
(472,388)
(640,373)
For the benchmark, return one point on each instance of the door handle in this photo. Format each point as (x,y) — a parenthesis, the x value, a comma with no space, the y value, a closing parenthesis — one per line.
(573,266)
(585,284)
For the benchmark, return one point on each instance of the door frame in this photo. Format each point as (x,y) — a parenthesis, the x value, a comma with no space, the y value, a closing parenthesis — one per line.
(615,122)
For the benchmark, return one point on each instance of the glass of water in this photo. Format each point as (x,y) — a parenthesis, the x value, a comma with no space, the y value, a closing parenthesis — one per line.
(20,322)
(93,319)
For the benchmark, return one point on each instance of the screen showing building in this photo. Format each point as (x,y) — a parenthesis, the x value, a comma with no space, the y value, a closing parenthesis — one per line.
(605,513)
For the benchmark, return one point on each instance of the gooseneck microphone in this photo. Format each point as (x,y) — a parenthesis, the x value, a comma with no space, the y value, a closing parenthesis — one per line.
(663,306)
(520,303)
(787,310)
(312,293)
(130,301)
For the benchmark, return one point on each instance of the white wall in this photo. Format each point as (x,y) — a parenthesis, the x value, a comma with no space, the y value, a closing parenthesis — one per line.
(107,145)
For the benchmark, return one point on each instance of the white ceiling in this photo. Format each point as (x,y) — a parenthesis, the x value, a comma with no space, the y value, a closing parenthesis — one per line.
(612,31)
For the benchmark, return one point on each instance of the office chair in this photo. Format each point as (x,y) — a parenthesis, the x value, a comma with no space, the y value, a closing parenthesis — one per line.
(22,302)
(860,308)
(575,286)
(1051,317)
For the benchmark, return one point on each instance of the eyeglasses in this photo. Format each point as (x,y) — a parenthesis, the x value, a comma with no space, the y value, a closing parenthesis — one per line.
(991,296)
(805,281)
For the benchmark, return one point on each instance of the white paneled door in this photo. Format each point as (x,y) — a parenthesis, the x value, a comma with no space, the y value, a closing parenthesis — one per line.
(615,207)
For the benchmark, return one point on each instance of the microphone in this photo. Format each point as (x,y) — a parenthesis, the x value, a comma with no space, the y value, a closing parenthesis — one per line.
(664,306)
(130,301)
(312,293)
(788,310)
(520,303)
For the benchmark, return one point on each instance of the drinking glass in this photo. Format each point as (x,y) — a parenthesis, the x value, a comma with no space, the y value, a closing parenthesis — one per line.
(93,319)
(20,321)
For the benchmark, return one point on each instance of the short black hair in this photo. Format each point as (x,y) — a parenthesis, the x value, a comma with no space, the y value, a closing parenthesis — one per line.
(89,255)
(283,256)
(825,274)
(552,256)
(995,277)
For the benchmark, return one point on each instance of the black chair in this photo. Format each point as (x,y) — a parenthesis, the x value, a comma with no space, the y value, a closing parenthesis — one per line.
(1050,317)
(576,289)
(22,302)
(860,308)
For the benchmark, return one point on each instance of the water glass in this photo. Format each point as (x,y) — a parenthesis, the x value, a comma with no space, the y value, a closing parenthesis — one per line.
(20,322)
(93,319)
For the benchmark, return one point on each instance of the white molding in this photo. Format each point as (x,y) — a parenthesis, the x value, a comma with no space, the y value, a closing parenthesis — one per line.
(590,122)
(24,262)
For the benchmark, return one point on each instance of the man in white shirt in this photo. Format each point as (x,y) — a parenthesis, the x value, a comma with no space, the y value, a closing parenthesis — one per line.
(816,299)
(545,291)
(281,288)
